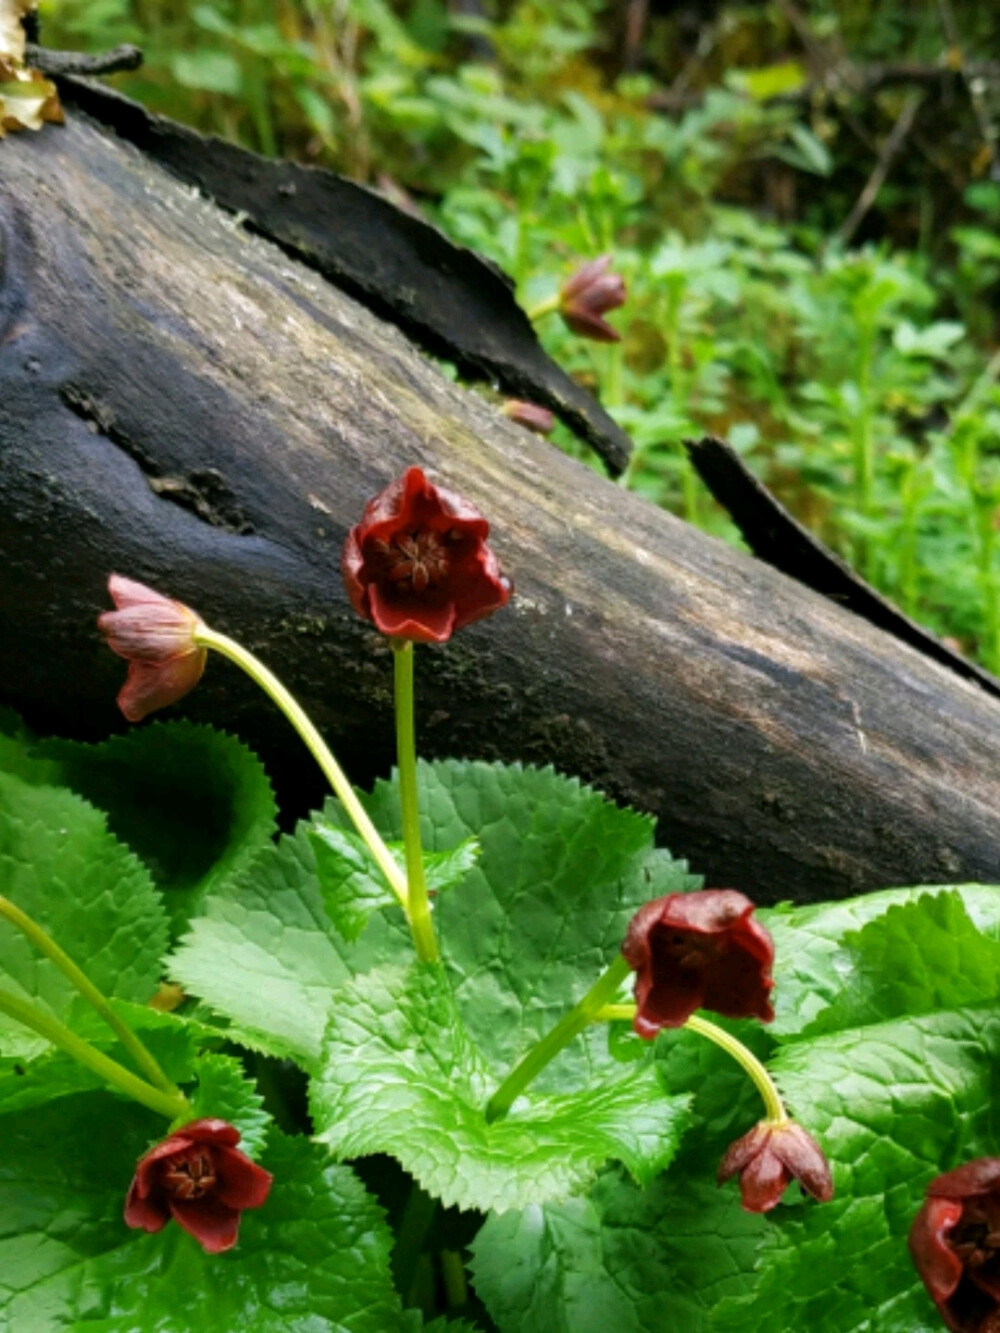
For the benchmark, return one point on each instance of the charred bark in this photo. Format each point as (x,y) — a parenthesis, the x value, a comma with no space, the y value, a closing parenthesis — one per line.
(183,402)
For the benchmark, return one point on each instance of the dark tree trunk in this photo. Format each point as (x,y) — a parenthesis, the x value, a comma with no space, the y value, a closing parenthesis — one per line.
(184,403)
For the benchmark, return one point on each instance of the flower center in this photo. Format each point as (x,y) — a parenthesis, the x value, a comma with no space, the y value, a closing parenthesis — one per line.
(191,1174)
(416,560)
(686,950)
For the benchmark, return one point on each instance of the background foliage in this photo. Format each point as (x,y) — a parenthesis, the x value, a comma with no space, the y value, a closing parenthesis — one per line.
(804,203)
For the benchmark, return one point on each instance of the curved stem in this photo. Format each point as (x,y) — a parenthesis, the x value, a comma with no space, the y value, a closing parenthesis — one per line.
(547,307)
(47,946)
(569,1026)
(174,1106)
(316,745)
(418,907)
(775,1113)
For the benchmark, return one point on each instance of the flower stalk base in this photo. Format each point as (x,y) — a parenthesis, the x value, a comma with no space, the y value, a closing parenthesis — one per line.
(569,1026)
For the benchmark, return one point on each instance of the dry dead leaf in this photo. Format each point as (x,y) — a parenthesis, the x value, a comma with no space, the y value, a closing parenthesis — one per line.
(27,98)
(27,102)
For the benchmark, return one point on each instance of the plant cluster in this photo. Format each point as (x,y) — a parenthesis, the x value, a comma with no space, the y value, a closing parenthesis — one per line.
(442,968)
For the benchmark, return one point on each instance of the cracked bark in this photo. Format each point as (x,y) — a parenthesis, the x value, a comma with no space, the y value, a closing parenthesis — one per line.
(184,403)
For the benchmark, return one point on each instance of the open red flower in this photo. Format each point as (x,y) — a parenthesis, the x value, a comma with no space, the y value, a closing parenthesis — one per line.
(699,950)
(587,295)
(155,635)
(955,1244)
(769,1158)
(418,565)
(199,1178)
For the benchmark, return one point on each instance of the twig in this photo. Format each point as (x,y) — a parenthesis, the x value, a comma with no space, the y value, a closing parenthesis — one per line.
(973,83)
(883,166)
(864,81)
(58,63)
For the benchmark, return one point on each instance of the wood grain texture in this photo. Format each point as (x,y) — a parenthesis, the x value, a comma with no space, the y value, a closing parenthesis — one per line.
(182,403)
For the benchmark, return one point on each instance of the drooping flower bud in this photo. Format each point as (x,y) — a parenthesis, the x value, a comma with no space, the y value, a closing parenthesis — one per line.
(417,564)
(155,635)
(536,418)
(955,1244)
(590,293)
(769,1158)
(699,950)
(199,1178)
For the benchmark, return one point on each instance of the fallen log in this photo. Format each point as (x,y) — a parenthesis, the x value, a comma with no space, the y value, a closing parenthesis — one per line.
(183,402)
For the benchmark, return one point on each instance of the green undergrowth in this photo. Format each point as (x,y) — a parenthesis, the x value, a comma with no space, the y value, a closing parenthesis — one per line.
(592,1204)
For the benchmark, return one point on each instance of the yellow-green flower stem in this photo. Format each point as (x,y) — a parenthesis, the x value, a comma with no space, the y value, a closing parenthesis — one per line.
(317,747)
(761,1079)
(547,307)
(175,1106)
(46,945)
(418,908)
(569,1026)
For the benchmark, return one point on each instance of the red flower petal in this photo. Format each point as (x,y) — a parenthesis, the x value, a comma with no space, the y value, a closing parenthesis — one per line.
(587,295)
(210,1131)
(200,1178)
(762,1183)
(697,950)
(803,1159)
(769,1158)
(146,1172)
(939,1267)
(427,624)
(417,564)
(240,1182)
(214,1226)
(145,1214)
(156,636)
(981,1176)
(954,1244)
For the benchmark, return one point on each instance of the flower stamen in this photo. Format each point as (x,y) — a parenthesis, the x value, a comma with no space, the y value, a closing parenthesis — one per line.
(190,1176)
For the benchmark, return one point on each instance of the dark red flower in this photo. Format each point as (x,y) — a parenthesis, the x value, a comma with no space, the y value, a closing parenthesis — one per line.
(587,295)
(418,565)
(955,1244)
(769,1158)
(698,950)
(536,418)
(155,635)
(200,1178)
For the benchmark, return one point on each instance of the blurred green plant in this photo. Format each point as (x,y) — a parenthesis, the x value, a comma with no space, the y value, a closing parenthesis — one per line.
(860,384)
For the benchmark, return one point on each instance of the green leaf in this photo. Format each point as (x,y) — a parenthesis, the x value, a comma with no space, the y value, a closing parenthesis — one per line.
(813,962)
(212,71)
(561,872)
(352,885)
(630,1258)
(536,921)
(893,1099)
(401,1075)
(538,917)
(892,1105)
(266,955)
(59,863)
(918,958)
(315,1256)
(621,1259)
(17,744)
(223,1091)
(194,803)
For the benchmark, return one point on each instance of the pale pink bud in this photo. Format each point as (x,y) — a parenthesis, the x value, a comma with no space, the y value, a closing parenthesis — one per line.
(156,636)
(536,418)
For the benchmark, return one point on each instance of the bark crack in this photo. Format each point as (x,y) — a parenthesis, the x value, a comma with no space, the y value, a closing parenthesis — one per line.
(201,491)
